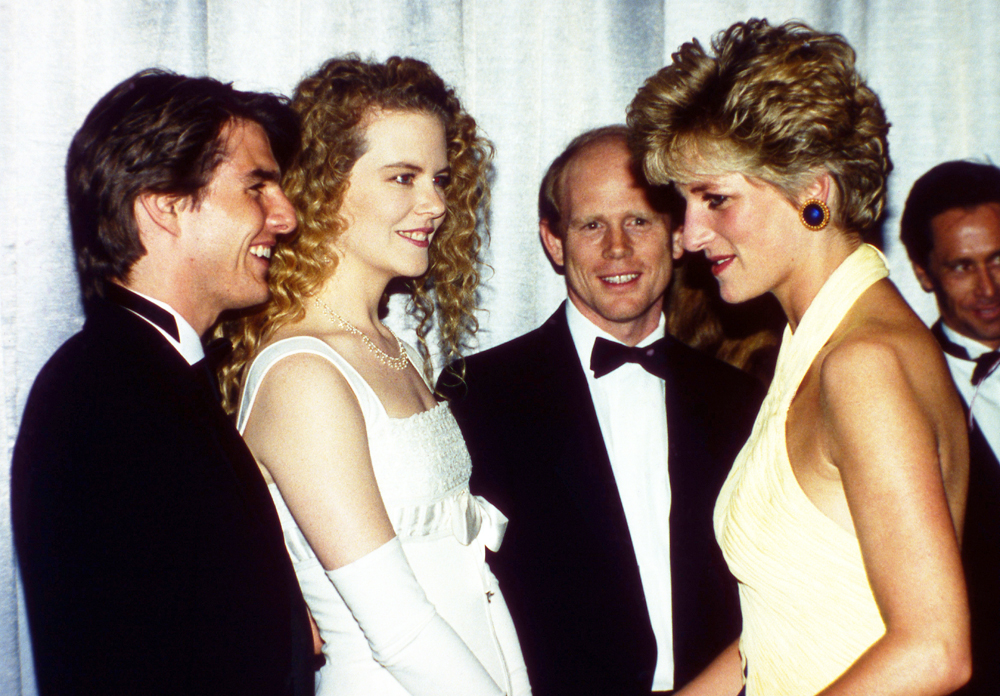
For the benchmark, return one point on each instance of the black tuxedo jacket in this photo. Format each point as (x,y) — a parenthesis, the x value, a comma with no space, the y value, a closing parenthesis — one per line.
(151,553)
(567,567)
(981,559)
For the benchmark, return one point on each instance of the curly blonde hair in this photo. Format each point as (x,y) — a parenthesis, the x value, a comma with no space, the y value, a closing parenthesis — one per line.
(781,104)
(334,105)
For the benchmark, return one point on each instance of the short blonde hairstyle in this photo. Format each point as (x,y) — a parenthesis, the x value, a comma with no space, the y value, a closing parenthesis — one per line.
(781,104)
(335,105)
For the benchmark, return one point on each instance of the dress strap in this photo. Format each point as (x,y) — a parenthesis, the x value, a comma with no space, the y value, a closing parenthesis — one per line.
(859,271)
(270,356)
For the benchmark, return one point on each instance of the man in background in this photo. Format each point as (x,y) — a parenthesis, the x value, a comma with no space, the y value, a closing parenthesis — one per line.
(606,442)
(951,229)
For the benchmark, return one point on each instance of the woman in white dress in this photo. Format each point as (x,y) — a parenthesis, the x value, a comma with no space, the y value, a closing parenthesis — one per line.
(369,473)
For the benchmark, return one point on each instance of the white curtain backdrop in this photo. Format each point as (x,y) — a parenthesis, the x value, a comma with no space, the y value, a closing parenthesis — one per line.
(534,73)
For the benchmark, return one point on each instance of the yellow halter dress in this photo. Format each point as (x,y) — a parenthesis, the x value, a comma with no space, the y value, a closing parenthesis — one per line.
(808,610)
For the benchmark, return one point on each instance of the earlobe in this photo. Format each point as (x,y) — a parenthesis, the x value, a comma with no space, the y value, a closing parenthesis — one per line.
(552,243)
(160,209)
(678,242)
(923,278)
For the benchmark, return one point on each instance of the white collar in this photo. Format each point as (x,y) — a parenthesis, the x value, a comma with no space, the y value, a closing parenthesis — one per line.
(189,346)
(584,332)
(974,347)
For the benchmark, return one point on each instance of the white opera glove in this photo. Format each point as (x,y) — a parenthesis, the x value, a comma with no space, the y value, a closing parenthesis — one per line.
(406,634)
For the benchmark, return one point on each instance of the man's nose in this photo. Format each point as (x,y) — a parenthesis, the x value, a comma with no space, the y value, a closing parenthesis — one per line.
(988,281)
(281,214)
(617,243)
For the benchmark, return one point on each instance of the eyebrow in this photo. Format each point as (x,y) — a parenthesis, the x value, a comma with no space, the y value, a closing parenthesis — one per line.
(261,174)
(414,167)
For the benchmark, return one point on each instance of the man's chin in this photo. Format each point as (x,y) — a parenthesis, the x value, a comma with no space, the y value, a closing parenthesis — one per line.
(987,334)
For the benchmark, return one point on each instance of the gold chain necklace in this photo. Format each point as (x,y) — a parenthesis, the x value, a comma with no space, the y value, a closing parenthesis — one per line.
(398,363)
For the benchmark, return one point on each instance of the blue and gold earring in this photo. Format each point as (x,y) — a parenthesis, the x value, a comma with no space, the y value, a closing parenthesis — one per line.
(814,214)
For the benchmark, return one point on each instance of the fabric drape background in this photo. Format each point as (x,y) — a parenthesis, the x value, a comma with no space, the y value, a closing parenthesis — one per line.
(534,73)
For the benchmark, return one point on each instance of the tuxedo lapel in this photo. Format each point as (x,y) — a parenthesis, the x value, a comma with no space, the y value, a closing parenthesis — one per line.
(579,455)
(710,408)
(188,389)
(981,561)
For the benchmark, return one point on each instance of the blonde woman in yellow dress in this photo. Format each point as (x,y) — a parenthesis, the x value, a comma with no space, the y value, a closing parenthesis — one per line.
(369,473)
(841,516)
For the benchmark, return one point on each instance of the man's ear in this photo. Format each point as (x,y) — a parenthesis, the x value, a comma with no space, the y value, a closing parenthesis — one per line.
(552,242)
(677,242)
(924,278)
(160,209)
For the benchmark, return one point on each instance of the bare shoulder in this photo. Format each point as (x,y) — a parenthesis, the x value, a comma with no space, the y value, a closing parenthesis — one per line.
(305,380)
(882,345)
(298,399)
(884,384)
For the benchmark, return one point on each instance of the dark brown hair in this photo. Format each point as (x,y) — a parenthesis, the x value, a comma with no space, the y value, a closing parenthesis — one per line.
(956,184)
(155,132)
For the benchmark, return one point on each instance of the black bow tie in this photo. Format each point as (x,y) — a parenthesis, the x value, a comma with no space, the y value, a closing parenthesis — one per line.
(608,356)
(985,363)
(216,352)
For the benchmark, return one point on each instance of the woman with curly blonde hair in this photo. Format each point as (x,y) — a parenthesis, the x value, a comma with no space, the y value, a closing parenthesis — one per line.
(841,516)
(368,472)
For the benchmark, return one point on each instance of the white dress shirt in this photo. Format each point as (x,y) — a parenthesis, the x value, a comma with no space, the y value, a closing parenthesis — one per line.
(632,411)
(189,346)
(984,403)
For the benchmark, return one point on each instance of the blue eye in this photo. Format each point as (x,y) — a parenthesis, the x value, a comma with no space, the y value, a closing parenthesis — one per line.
(442,180)
(715,200)
(404,179)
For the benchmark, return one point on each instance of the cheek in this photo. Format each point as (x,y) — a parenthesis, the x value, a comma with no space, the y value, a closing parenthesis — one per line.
(957,291)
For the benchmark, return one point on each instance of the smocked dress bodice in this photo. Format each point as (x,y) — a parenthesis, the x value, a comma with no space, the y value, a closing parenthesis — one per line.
(422,468)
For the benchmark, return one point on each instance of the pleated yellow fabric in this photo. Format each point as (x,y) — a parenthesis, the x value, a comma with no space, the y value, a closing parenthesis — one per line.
(808,610)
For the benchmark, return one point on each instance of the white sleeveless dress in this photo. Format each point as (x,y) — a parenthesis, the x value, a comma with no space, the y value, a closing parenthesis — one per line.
(422,468)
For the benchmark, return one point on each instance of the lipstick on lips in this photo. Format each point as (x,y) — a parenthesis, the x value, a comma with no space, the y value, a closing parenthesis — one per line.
(420,237)
(720,263)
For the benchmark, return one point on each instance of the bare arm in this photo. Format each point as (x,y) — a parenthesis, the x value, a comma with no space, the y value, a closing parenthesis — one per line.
(723,677)
(881,430)
(308,431)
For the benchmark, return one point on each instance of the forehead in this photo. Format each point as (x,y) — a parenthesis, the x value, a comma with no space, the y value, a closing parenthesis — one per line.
(601,175)
(967,232)
(405,134)
(246,149)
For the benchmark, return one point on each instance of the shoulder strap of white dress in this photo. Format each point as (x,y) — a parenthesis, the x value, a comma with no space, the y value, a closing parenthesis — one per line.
(270,356)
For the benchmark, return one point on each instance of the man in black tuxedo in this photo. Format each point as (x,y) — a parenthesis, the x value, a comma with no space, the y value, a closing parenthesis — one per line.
(951,229)
(151,553)
(607,459)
